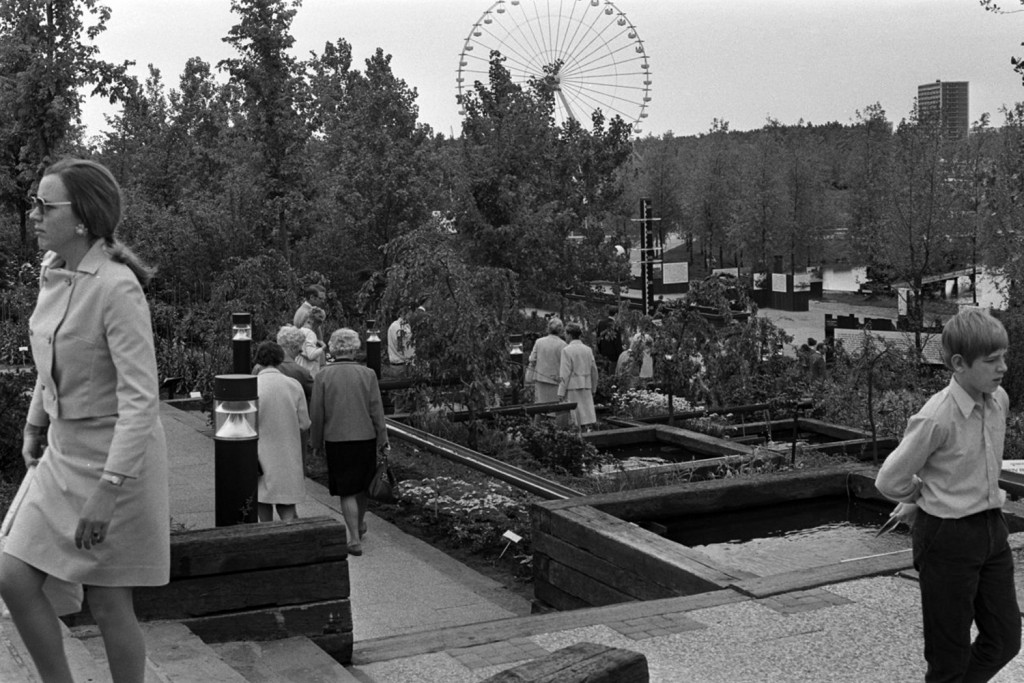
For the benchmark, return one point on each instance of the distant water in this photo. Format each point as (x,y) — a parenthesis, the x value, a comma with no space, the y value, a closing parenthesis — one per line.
(989,295)
(843,279)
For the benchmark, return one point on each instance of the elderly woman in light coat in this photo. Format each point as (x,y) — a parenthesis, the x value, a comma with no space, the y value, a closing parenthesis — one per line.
(283,417)
(545,361)
(578,375)
(348,425)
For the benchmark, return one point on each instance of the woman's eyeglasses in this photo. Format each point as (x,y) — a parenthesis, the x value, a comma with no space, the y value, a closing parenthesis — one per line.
(43,205)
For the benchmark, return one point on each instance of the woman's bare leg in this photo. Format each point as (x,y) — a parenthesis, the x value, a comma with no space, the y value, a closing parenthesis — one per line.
(350,511)
(265,512)
(114,613)
(21,586)
(287,512)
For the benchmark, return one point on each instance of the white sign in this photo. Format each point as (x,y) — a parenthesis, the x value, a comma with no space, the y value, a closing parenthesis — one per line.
(802,282)
(779,282)
(903,295)
(674,273)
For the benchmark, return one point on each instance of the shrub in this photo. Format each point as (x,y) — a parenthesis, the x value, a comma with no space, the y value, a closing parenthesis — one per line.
(635,403)
(15,395)
(470,515)
(560,450)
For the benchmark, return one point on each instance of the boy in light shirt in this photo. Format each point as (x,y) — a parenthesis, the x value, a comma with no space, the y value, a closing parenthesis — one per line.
(945,475)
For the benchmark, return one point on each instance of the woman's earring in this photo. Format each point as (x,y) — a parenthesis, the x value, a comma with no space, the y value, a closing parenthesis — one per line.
(80,230)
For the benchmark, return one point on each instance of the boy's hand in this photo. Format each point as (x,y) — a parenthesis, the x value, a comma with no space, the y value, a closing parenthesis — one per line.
(906,513)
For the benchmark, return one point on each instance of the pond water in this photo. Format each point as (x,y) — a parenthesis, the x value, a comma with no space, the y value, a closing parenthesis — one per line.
(800,535)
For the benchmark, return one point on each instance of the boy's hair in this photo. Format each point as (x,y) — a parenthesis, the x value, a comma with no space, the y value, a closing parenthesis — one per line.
(972,333)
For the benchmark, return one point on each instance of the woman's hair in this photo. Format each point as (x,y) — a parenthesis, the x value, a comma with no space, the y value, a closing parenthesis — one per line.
(344,343)
(555,326)
(972,333)
(96,201)
(291,339)
(316,290)
(574,330)
(269,354)
(316,315)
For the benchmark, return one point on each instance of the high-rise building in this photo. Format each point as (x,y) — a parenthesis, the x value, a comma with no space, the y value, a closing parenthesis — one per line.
(945,103)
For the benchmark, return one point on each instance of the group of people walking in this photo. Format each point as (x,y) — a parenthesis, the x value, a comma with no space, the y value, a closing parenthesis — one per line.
(332,411)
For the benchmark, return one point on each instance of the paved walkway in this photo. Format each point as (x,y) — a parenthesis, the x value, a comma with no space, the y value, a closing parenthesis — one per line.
(400,584)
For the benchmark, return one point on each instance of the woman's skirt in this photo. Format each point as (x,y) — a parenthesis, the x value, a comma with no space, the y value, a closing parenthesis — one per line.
(583,414)
(350,466)
(137,548)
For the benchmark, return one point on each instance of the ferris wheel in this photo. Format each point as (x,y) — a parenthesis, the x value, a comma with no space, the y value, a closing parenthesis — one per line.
(587,51)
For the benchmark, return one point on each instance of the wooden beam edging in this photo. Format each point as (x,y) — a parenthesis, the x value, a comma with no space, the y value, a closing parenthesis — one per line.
(714,495)
(516,410)
(528,481)
(437,640)
(815,577)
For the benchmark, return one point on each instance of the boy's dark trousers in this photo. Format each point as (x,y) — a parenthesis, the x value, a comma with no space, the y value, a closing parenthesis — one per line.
(966,571)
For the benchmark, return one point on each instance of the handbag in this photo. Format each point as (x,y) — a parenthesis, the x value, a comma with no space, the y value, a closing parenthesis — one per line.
(382,486)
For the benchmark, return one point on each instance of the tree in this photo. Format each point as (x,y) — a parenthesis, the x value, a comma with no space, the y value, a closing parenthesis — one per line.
(713,209)
(45,58)
(869,146)
(1002,225)
(531,186)
(804,195)
(920,206)
(378,174)
(469,310)
(660,178)
(761,200)
(273,92)
(991,6)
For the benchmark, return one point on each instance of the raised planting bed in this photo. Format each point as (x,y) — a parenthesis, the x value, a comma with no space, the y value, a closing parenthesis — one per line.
(685,453)
(593,550)
(255,582)
(825,437)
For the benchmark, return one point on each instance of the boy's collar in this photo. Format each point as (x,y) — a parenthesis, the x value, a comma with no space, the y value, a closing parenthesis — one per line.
(964,400)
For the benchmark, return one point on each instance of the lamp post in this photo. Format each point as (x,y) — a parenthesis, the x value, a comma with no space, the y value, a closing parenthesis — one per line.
(373,347)
(241,343)
(516,357)
(236,444)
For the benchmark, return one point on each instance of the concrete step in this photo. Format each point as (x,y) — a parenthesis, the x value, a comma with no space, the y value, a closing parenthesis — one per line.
(174,655)
(16,663)
(290,660)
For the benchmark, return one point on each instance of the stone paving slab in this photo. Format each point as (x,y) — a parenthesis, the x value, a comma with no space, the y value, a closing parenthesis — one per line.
(859,631)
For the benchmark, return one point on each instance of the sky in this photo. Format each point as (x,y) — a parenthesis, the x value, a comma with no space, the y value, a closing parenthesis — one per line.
(741,61)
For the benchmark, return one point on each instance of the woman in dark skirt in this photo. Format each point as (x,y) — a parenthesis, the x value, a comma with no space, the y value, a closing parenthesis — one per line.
(348,425)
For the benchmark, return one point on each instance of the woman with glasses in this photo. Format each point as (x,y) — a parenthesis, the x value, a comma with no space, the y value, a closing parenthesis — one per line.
(96,508)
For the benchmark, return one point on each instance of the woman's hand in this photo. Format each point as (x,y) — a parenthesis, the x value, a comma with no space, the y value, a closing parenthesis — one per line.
(33,444)
(95,520)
